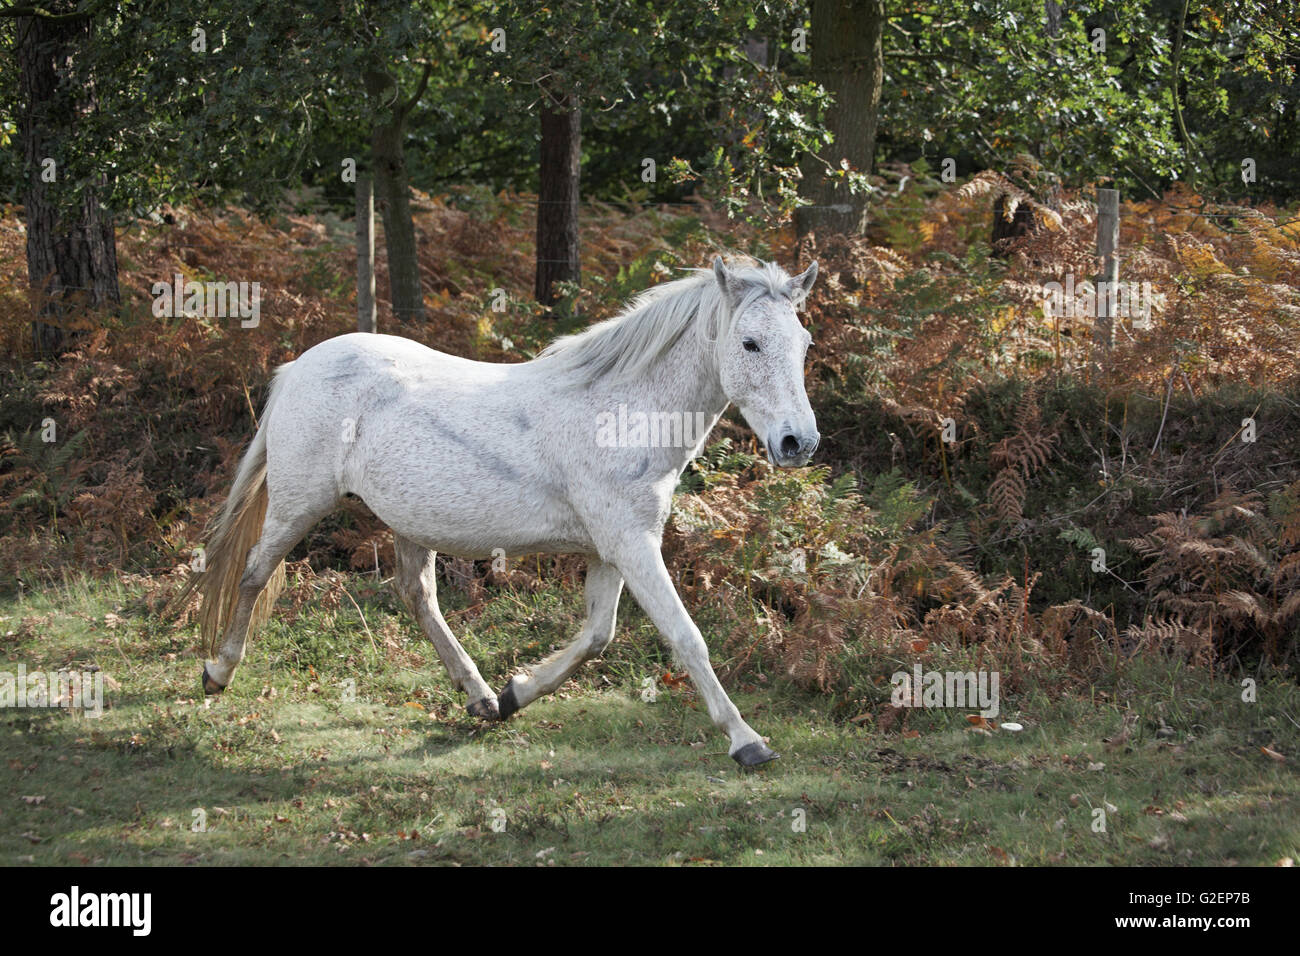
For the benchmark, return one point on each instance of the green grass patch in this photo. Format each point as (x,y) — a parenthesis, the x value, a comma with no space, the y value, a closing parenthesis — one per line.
(288,767)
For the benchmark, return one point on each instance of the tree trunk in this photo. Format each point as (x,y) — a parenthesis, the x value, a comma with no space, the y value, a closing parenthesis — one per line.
(847,59)
(393,192)
(71,248)
(393,195)
(365,206)
(557,200)
(1052,13)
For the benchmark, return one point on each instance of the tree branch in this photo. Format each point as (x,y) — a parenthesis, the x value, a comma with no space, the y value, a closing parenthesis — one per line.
(419,90)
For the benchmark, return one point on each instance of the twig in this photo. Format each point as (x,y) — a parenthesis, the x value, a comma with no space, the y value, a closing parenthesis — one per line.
(362,615)
(1169,394)
(1215,459)
(251,411)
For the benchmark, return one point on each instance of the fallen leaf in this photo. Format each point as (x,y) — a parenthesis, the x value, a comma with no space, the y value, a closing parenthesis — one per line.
(1272,754)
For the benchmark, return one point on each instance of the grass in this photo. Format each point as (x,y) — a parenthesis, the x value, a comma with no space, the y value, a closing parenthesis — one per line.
(285,769)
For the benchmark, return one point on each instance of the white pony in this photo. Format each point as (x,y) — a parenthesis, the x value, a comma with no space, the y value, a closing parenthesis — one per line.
(576,451)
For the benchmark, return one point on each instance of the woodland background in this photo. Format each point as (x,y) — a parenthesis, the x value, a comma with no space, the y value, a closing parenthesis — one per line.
(789,131)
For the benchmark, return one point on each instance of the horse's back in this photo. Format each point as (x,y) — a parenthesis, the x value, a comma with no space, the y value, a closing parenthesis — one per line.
(361,357)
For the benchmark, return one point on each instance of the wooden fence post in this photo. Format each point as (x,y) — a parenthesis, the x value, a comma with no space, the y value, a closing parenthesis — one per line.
(1107,280)
(366,319)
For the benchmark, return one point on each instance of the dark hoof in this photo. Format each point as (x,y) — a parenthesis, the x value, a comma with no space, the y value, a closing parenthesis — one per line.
(751,755)
(507,703)
(210,687)
(484,709)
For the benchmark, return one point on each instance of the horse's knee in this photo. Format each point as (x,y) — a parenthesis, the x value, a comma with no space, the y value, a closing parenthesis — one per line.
(597,643)
(412,588)
(414,581)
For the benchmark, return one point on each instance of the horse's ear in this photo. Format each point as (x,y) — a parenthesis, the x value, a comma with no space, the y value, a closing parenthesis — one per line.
(803,282)
(720,273)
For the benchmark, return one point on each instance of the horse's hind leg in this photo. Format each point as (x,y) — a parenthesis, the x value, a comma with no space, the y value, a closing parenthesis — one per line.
(604,585)
(279,535)
(417,585)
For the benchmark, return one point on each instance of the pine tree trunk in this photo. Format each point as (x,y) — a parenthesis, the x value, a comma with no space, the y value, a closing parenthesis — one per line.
(557,206)
(847,59)
(71,248)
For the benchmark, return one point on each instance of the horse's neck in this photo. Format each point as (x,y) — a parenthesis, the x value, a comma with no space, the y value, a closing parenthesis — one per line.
(683,382)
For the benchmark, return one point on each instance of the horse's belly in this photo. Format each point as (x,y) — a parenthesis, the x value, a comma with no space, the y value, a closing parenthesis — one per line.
(471,512)
(475,547)
(473,536)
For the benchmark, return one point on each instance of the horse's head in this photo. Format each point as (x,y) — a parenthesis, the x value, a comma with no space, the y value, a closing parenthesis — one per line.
(761,360)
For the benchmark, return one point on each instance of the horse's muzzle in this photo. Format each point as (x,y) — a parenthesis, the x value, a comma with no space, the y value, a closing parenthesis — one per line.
(792,450)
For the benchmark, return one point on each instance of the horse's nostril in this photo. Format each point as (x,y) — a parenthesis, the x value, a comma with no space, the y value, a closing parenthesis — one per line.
(789,446)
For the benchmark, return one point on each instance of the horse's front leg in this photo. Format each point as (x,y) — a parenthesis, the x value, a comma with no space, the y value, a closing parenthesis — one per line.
(642,566)
(604,584)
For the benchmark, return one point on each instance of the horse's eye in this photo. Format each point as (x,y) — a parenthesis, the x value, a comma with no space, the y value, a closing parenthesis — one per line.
(750,345)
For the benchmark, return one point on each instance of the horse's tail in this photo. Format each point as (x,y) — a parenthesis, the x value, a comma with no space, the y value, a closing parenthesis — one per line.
(229,540)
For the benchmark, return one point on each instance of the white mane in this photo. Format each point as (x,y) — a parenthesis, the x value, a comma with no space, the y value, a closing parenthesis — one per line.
(630,343)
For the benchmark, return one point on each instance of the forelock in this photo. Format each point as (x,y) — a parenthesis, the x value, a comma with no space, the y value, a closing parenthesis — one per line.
(757,280)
